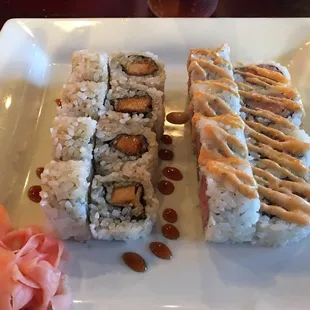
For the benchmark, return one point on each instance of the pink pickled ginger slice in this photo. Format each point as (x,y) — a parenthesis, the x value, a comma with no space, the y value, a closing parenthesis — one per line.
(30,275)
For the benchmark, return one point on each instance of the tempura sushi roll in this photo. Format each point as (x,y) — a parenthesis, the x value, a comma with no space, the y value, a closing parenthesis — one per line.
(90,66)
(209,64)
(140,102)
(223,135)
(285,209)
(214,97)
(83,99)
(123,205)
(65,197)
(228,197)
(137,68)
(261,75)
(73,138)
(123,146)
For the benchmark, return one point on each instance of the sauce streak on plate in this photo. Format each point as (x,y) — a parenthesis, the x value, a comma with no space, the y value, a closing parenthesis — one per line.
(165,154)
(165,187)
(177,118)
(34,193)
(160,250)
(170,232)
(170,215)
(166,139)
(134,261)
(172,173)
(39,172)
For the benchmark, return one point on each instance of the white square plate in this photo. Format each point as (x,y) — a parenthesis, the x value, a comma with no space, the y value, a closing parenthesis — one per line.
(34,63)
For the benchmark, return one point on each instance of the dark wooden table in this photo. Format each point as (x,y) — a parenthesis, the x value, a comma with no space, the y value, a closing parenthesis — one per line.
(138,8)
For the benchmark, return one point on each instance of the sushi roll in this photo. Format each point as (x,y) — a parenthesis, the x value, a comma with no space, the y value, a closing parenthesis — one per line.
(272,137)
(280,157)
(73,138)
(209,64)
(83,99)
(285,107)
(90,66)
(64,196)
(228,197)
(222,135)
(132,68)
(285,209)
(139,102)
(123,205)
(123,146)
(214,97)
(261,75)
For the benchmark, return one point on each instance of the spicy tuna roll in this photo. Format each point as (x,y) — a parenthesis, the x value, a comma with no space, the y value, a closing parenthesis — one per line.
(209,64)
(285,209)
(64,196)
(90,66)
(228,197)
(123,205)
(137,68)
(285,107)
(83,99)
(73,138)
(223,135)
(214,97)
(120,145)
(261,75)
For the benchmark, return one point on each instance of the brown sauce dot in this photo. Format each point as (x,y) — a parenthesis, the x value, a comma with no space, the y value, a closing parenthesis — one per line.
(165,187)
(166,139)
(34,193)
(58,102)
(165,154)
(170,215)
(160,250)
(178,118)
(172,173)
(134,261)
(39,172)
(170,232)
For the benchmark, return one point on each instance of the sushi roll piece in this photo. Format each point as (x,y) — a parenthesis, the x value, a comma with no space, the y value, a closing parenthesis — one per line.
(209,64)
(64,196)
(261,75)
(285,208)
(123,205)
(271,120)
(123,146)
(90,66)
(285,107)
(139,102)
(280,156)
(272,137)
(214,97)
(83,99)
(73,138)
(132,68)
(228,197)
(222,135)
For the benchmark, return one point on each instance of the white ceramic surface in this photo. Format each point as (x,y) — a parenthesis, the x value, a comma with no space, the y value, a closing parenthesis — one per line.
(34,63)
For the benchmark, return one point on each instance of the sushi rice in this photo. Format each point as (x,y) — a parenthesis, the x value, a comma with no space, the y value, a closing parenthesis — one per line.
(73,138)
(109,222)
(90,66)
(65,197)
(83,99)
(109,159)
(119,77)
